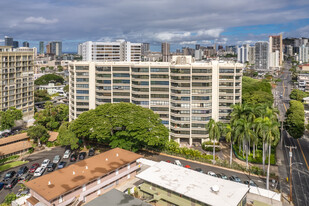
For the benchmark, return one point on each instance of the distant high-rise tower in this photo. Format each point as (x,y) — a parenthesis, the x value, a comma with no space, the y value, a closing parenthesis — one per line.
(275,51)
(145,48)
(54,48)
(15,44)
(261,56)
(243,53)
(197,46)
(303,54)
(8,41)
(41,47)
(25,44)
(251,55)
(165,50)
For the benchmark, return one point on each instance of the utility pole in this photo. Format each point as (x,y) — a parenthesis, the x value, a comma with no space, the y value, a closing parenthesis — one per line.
(290,154)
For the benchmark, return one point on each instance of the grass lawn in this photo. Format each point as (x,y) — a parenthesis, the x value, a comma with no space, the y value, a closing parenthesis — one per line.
(11,165)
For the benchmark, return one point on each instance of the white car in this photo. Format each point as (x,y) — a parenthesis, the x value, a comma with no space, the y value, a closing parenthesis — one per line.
(178,163)
(45,163)
(56,159)
(39,171)
(212,174)
(66,154)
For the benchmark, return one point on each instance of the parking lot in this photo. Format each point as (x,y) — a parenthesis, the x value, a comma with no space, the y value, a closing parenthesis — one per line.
(34,158)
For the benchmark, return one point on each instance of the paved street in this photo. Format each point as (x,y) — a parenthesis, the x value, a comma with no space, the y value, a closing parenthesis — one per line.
(300,174)
(35,158)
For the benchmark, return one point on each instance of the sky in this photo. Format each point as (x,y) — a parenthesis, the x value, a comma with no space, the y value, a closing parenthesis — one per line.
(179,22)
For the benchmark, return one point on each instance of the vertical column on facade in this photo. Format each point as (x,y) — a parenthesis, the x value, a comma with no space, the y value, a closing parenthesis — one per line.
(169,99)
(112,83)
(149,86)
(130,73)
(190,117)
(75,116)
(215,90)
(92,85)
(234,84)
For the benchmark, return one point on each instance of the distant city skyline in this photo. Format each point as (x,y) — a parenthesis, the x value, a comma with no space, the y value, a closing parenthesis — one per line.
(179,22)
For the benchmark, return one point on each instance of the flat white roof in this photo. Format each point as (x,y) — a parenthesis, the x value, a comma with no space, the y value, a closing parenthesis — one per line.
(194,184)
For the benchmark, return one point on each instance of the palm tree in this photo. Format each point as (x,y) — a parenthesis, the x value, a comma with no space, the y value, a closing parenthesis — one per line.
(213,129)
(244,132)
(272,138)
(261,128)
(228,131)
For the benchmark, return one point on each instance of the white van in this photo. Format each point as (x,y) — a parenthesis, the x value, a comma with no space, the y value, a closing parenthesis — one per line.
(177,162)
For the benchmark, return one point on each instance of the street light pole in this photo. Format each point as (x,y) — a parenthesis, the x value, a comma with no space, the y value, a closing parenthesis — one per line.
(290,154)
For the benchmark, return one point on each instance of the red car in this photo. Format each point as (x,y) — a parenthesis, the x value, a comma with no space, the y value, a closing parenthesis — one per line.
(34,167)
(187,166)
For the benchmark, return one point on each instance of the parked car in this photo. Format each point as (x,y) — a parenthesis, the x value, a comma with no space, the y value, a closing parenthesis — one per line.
(56,159)
(25,177)
(178,163)
(61,165)
(23,193)
(199,170)
(73,158)
(8,176)
(11,183)
(250,182)
(45,163)
(222,176)
(168,161)
(22,171)
(235,178)
(82,155)
(34,167)
(39,171)
(91,152)
(1,185)
(66,154)
(212,174)
(187,166)
(51,166)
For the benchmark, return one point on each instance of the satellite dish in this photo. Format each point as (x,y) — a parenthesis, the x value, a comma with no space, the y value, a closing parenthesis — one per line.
(215,188)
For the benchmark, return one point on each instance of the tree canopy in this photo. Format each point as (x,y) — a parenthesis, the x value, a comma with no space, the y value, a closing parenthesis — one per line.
(8,118)
(41,95)
(67,137)
(52,116)
(295,121)
(256,91)
(38,133)
(298,95)
(45,79)
(123,125)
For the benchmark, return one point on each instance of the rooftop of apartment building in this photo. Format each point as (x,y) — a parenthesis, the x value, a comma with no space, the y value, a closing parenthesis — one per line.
(176,60)
(55,184)
(198,186)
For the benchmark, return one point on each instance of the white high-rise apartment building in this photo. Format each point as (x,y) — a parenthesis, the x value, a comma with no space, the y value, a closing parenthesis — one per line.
(111,51)
(275,51)
(243,53)
(186,94)
(16,80)
(303,54)
(261,56)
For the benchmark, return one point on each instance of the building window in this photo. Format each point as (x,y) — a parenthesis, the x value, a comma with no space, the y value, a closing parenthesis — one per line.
(117,172)
(129,166)
(98,181)
(84,188)
(60,199)
(99,192)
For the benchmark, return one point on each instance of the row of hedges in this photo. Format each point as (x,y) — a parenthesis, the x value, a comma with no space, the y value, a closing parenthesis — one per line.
(2,161)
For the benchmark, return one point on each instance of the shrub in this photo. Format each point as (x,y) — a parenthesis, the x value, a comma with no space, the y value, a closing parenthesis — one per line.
(8,159)
(31,150)
(49,144)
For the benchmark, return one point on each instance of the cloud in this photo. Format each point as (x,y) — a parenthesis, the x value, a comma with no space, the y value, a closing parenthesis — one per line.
(40,20)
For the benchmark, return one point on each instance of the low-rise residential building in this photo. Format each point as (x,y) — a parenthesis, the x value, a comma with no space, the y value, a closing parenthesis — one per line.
(303,82)
(304,67)
(116,198)
(84,180)
(169,184)
(52,88)
(14,145)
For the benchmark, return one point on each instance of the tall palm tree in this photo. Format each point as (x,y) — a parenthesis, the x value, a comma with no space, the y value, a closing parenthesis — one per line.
(272,138)
(228,131)
(261,128)
(214,132)
(244,131)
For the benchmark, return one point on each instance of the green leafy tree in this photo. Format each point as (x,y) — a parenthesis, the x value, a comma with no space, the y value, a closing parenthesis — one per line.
(45,79)
(67,137)
(38,133)
(298,95)
(9,117)
(60,68)
(9,198)
(295,121)
(66,88)
(213,129)
(43,69)
(123,125)
(52,116)
(41,95)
